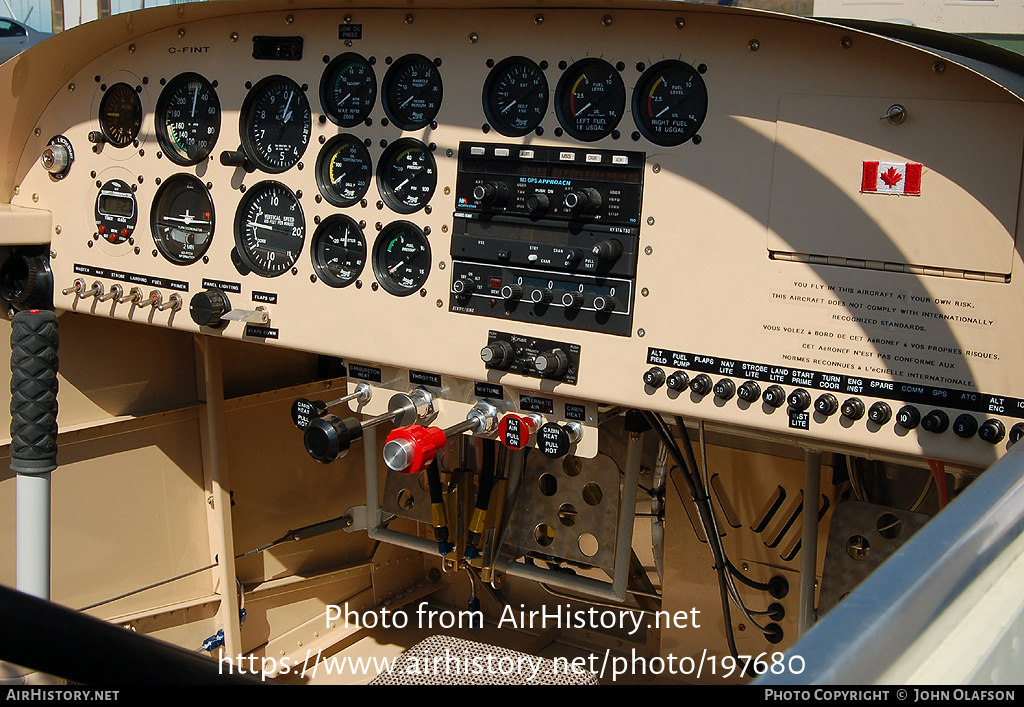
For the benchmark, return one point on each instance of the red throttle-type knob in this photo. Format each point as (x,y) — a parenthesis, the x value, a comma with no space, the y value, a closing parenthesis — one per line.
(516,431)
(410,449)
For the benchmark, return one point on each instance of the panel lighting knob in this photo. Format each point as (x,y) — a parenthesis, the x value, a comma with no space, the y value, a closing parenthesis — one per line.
(826,404)
(654,377)
(965,426)
(852,409)
(207,307)
(799,400)
(678,381)
(774,396)
(935,421)
(498,354)
(908,417)
(749,392)
(992,431)
(725,389)
(880,413)
(551,364)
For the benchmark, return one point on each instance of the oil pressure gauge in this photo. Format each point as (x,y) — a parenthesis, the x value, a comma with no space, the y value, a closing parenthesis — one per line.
(406,175)
(401,258)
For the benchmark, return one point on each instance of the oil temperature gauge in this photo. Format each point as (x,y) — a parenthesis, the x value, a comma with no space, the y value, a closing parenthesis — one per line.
(338,250)
(182,219)
(343,170)
(401,258)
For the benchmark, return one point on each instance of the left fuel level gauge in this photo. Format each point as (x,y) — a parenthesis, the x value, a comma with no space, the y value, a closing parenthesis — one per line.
(182,219)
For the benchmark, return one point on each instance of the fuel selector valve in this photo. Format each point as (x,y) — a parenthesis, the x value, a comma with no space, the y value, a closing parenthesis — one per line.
(410,449)
(329,437)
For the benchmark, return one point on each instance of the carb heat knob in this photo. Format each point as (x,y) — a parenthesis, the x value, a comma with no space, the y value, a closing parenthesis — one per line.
(328,437)
(207,307)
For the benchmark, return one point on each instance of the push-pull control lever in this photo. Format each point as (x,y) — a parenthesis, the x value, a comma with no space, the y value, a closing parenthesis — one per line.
(554,440)
(304,410)
(518,431)
(411,448)
(328,437)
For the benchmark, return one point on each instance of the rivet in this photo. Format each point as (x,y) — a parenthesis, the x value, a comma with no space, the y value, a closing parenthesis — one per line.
(444,228)
(640,333)
(753,45)
(347,19)
(656,168)
(650,220)
(53,253)
(71,87)
(181,31)
(474,37)
(447,190)
(57,230)
(845,42)
(538,19)
(441,265)
(131,48)
(234,37)
(408,19)
(648,250)
(17,190)
(439,304)
(289,19)
(35,197)
(449,152)
(938,67)
(680,23)
(38,132)
(645,292)
(606,20)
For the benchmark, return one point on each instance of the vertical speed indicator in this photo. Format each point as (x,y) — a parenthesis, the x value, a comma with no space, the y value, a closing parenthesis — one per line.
(269,229)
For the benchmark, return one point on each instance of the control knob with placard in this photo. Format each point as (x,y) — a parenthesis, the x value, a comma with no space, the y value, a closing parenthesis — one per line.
(654,377)
(908,417)
(725,389)
(554,440)
(774,396)
(965,426)
(518,431)
(678,381)
(880,413)
(304,410)
(702,384)
(208,307)
(852,409)
(799,400)
(410,449)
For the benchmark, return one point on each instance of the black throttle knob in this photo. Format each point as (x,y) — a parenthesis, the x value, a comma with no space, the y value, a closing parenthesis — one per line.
(330,436)
(34,343)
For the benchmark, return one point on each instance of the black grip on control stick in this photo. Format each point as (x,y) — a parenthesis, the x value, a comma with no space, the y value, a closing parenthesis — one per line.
(34,344)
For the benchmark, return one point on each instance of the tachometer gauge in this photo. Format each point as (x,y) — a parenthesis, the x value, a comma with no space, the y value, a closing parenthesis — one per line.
(348,90)
(188,119)
(269,229)
(338,249)
(120,115)
(412,92)
(275,124)
(515,96)
(182,219)
(343,170)
(401,258)
(406,175)
(590,99)
(670,103)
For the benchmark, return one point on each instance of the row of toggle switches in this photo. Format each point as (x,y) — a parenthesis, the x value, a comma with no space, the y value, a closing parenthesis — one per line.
(117,293)
(826,404)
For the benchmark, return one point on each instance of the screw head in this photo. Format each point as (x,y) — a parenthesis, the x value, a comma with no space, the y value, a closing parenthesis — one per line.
(753,45)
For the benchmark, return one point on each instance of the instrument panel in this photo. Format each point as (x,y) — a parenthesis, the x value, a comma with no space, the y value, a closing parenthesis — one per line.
(562,210)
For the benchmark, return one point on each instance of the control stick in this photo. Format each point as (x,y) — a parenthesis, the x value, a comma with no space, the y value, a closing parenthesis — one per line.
(410,449)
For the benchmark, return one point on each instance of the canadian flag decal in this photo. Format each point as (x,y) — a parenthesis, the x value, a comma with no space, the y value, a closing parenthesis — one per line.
(891,178)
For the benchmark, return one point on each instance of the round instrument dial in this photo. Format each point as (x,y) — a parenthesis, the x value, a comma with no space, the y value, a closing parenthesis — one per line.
(182,219)
(269,229)
(275,124)
(348,90)
(670,103)
(120,115)
(406,175)
(515,96)
(343,170)
(188,119)
(401,258)
(412,92)
(338,249)
(590,99)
